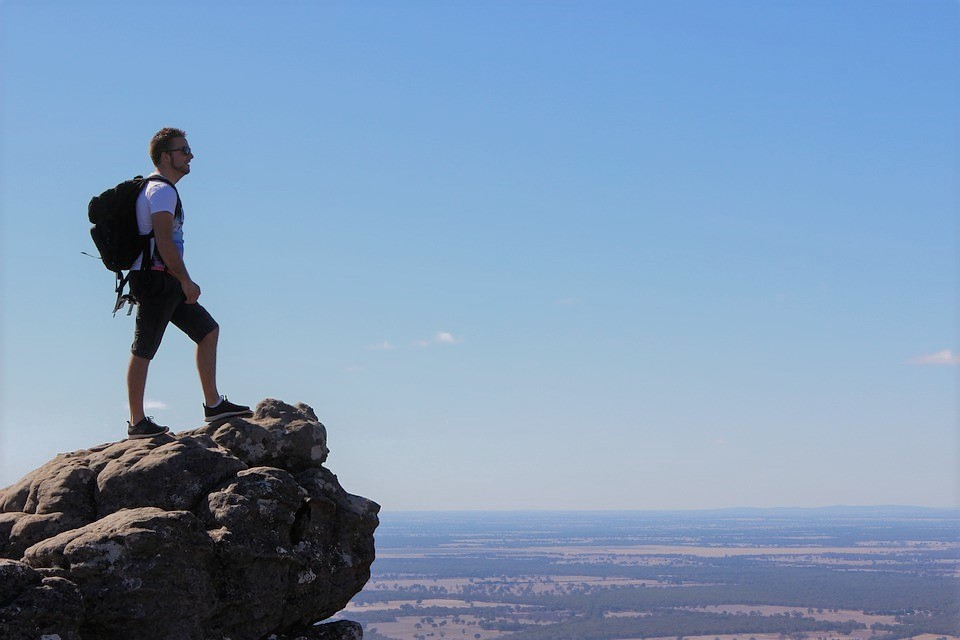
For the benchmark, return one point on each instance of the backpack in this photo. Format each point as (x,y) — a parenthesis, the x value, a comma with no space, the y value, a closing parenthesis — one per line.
(116,234)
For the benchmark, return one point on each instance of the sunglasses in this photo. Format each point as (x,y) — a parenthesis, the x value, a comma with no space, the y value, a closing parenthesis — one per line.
(185,150)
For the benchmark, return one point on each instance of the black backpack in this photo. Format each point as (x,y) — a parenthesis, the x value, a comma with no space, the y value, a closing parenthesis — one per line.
(116,234)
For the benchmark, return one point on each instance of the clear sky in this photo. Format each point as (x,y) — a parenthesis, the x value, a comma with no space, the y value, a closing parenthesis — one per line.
(559,255)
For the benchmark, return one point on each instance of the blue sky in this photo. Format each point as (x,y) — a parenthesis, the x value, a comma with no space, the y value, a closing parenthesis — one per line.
(555,255)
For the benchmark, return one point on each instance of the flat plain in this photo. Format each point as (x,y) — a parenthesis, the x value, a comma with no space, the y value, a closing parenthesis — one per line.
(840,573)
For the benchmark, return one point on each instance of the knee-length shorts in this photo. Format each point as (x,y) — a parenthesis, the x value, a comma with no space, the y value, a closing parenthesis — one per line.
(160,301)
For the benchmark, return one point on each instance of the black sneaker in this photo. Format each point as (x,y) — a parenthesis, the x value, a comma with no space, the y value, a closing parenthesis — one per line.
(146,428)
(225,409)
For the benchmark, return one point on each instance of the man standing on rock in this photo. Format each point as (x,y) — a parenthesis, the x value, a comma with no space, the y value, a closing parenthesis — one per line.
(164,290)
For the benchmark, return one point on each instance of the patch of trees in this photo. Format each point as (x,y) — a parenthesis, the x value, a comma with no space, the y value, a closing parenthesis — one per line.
(881,597)
(681,623)
(681,569)
(728,582)
(946,622)
(391,615)
(380,615)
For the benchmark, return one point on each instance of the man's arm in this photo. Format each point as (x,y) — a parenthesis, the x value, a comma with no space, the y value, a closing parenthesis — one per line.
(163,236)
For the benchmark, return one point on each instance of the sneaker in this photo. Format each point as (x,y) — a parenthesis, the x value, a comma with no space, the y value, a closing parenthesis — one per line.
(146,428)
(225,409)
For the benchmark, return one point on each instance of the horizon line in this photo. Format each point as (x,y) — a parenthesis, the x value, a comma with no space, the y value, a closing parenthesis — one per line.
(684,510)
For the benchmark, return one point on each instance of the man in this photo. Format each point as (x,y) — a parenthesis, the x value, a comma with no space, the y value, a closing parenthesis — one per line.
(164,290)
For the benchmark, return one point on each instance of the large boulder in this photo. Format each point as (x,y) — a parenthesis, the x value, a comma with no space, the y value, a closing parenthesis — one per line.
(233,530)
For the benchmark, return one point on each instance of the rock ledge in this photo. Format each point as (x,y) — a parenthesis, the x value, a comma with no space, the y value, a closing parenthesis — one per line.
(233,531)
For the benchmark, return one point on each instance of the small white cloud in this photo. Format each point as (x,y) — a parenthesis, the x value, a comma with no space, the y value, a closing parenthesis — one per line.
(567,301)
(442,337)
(354,369)
(153,405)
(940,357)
(381,346)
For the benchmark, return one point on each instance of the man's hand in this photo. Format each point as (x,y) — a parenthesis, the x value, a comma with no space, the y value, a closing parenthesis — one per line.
(191,290)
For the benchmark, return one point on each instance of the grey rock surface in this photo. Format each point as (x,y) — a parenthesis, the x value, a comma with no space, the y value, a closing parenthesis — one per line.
(32,606)
(233,530)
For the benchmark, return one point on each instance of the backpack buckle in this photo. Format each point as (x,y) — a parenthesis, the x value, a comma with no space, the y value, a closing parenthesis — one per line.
(122,300)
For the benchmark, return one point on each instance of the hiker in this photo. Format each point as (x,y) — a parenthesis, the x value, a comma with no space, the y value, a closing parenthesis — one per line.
(165,292)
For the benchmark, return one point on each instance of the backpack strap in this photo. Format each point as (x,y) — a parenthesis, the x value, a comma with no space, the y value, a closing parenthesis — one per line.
(178,213)
(155,176)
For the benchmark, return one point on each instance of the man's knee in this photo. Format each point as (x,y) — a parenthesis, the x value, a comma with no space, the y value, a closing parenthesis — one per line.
(138,365)
(212,336)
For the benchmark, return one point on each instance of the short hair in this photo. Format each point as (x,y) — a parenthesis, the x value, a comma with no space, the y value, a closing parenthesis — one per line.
(161,141)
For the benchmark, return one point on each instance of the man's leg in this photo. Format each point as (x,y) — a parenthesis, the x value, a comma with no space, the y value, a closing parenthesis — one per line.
(194,320)
(156,302)
(136,387)
(207,367)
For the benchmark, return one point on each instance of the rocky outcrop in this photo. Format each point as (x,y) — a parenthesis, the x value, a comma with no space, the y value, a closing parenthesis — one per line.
(232,531)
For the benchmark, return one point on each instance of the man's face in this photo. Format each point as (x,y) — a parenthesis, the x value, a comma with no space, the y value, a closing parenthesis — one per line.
(180,155)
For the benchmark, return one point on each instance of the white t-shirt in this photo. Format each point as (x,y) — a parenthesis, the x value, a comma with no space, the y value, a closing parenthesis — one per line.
(157,196)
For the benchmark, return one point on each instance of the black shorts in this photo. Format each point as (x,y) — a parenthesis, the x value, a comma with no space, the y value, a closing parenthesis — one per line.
(160,301)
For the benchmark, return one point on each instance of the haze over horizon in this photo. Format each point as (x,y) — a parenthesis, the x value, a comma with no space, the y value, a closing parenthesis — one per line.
(742,508)
(531,255)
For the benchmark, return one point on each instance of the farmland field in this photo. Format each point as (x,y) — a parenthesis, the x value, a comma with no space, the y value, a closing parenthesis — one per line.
(819,574)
